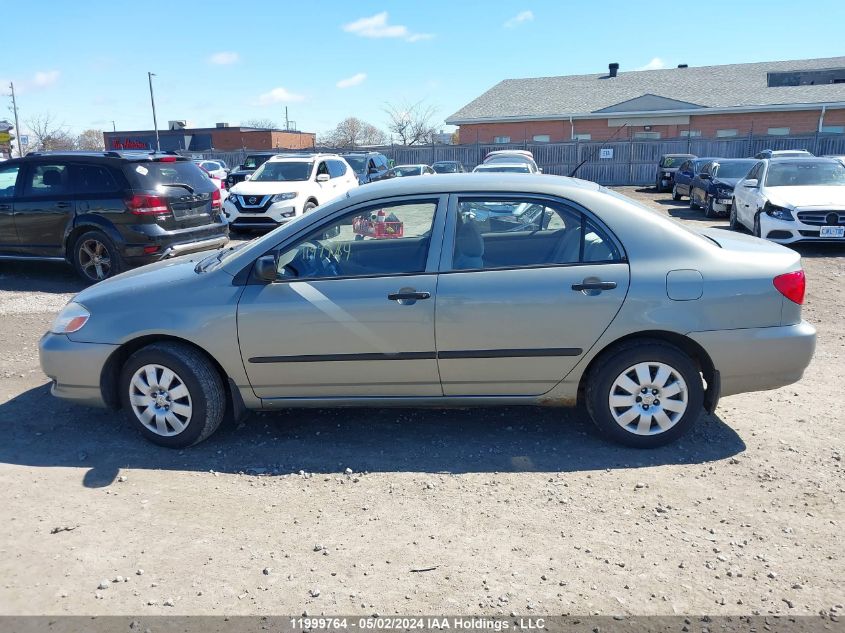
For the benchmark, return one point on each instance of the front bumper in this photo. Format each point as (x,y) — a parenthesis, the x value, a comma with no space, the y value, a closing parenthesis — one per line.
(268,216)
(791,231)
(74,368)
(757,359)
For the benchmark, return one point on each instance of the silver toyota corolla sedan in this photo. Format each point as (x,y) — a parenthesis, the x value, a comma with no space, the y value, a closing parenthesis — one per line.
(444,291)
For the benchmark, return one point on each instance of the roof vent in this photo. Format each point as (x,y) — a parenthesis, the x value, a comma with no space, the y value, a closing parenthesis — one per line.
(683,65)
(613,69)
(221,125)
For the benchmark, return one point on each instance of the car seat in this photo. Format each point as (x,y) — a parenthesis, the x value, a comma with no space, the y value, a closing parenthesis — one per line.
(469,247)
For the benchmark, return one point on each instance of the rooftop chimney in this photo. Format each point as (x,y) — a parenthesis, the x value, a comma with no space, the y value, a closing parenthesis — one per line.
(613,68)
(683,66)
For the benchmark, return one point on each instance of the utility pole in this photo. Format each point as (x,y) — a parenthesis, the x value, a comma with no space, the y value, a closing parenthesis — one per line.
(153,102)
(113,127)
(287,122)
(17,125)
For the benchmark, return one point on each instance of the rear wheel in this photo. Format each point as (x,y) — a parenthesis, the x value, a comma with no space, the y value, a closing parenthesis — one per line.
(692,202)
(95,257)
(173,394)
(645,394)
(675,195)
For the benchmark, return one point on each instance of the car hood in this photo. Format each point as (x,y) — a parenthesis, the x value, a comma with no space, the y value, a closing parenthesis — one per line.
(146,278)
(251,188)
(810,196)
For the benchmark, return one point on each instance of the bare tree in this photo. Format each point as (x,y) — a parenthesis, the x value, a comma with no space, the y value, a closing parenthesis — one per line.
(47,134)
(91,140)
(353,132)
(411,123)
(260,123)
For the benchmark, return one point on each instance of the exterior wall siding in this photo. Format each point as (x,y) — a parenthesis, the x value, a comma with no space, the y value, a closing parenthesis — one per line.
(756,123)
(220,139)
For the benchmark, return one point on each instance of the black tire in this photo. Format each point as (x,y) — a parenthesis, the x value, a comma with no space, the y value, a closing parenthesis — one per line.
(611,366)
(692,203)
(732,219)
(309,206)
(106,258)
(709,211)
(756,231)
(204,386)
(675,195)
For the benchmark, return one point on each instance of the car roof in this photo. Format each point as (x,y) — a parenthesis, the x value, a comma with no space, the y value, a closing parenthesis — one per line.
(499,152)
(803,159)
(127,155)
(411,165)
(442,162)
(300,157)
(361,154)
(500,165)
(678,155)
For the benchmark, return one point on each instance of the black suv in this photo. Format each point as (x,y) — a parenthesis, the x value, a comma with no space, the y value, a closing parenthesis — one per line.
(368,166)
(106,211)
(252,162)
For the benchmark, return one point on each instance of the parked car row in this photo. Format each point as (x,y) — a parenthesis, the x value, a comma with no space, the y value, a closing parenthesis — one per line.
(785,195)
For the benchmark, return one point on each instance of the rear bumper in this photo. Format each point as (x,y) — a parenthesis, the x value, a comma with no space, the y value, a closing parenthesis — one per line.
(757,359)
(181,242)
(74,368)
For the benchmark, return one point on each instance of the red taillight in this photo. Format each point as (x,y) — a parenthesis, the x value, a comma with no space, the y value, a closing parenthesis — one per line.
(167,159)
(222,184)
(792,286)
(149,250)
(215,200)
(143,204)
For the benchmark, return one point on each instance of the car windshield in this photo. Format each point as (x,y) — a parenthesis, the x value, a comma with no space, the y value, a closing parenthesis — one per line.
(413,170)
(445,168)
(805,173)
(519,169)
(734,169)
(254,162)
(673,161)
(357,163)
(282,171)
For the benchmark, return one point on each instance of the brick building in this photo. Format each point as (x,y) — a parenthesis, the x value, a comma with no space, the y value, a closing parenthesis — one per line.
(768,98)
(221,138)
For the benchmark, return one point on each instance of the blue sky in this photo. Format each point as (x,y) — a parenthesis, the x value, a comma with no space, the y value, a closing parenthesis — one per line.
(86,62)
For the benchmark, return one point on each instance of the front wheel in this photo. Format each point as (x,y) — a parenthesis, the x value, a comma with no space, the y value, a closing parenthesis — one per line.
(675,195)
(709,210)
(692,202)
(756,230)
(645,394)
(732,219)
(173,394)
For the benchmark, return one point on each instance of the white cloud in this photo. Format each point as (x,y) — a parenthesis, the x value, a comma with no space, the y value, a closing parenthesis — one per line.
(376,26)
(654,64)
(224,58)
(278,95)
(519,18)
(354,80)
(40,80)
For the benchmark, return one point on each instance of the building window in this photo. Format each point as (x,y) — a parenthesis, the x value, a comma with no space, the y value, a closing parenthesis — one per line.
(652,136)
(690,133)
(583,137)
(542,138)
(501,139)
(778,131)
(726,133)
(833,129)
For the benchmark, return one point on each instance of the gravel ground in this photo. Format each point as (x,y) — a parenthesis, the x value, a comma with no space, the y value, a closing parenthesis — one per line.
(491,511)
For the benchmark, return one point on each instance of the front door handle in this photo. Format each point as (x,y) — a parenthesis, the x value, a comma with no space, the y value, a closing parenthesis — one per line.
(594,285)
(408,295)
(63,205)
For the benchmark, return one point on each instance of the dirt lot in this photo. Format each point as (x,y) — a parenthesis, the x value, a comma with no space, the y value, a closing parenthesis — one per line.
(486,511)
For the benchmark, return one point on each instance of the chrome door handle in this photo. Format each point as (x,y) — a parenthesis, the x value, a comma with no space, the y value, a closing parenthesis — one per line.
(408,296)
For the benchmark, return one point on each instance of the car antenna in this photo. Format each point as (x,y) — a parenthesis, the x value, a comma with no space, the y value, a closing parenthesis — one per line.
(578,166)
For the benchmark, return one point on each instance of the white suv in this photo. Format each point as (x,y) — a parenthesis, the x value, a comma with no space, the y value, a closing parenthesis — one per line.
(286,186)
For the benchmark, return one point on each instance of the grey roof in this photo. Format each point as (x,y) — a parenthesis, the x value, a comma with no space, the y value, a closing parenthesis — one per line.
(729,86)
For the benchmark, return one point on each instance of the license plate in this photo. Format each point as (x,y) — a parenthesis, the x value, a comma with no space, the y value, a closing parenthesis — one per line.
(832,231)
(723,201)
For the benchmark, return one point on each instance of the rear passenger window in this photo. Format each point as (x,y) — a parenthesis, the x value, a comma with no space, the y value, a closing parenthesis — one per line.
(47,180)
(86,179)
(513,233)
(336,168)
(8,178)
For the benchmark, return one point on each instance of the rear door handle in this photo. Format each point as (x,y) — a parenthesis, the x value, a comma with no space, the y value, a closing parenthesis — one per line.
(403,295)
(594,285)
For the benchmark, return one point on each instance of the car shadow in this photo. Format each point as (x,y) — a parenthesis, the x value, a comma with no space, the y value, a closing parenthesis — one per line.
(819,249)
(511,439)
(50,277)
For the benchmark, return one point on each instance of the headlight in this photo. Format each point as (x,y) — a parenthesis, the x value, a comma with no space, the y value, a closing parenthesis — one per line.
(71,319)
(779,213)
(279,197)
(667,174)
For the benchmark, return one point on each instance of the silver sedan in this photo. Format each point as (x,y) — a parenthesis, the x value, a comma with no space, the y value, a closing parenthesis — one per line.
(444,291)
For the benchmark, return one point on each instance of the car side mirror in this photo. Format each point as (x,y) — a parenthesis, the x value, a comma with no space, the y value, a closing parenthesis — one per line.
(248,177)
(751,184)
(266,268)
(322,177)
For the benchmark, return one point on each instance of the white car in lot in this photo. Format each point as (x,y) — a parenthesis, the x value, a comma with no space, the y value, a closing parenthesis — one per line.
(286,187)
(792,200)
(214,167)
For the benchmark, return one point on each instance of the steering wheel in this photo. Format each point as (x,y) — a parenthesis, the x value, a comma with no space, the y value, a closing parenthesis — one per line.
(316,261)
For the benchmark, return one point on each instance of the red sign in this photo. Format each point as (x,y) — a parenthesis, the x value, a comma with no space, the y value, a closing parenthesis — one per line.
(127,143)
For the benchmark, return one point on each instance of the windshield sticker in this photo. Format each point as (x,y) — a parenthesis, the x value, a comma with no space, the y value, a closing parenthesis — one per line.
(142,170)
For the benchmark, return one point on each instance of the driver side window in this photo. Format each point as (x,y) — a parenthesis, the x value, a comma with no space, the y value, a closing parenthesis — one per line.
(322,169)
(379,240)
